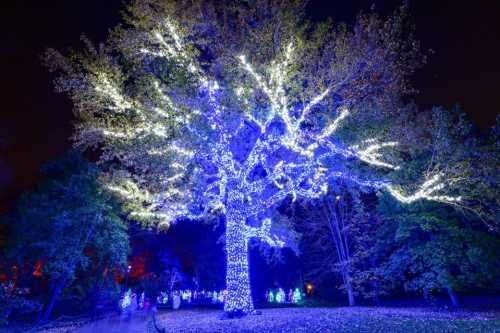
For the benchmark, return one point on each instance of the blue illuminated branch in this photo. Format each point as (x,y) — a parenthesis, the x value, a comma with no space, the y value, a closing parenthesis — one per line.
(264,234)
(182,149)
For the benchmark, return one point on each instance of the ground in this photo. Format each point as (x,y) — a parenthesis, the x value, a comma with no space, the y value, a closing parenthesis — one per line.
(342,319)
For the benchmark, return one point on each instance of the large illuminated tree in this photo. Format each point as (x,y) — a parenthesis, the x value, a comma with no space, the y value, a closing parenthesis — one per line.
(207,110)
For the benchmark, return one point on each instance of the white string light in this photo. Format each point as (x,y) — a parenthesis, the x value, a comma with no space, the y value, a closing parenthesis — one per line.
(221,183)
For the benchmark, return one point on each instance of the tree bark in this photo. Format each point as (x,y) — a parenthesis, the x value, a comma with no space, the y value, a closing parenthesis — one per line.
(426,294)
(376,288)
(350,293)
(58,286)
(340,239)
(453,297)
(239,297)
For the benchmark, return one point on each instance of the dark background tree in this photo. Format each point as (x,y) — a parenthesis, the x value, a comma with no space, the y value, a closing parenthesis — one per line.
(431,248)
(66,227)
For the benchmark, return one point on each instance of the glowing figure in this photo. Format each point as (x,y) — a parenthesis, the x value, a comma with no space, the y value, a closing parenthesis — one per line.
(297,295)
(126,300)
(176,301)
(162,298)
(270,297)
(280,296)
(141,301)
(186,295)
(221,297)
(215,297)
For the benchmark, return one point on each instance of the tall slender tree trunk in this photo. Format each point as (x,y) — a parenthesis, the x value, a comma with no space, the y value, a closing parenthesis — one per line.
(350,292)
(239,297)
(376,287)
(70,269)
(453,297)
(340,238)
(57,288)
(426,293)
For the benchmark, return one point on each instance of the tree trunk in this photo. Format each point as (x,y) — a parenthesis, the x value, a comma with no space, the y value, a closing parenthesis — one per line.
(339,236)
(348,287)
(453,297)
(350,294)
(426,294)
(239,297)
(376,288)
(58,286)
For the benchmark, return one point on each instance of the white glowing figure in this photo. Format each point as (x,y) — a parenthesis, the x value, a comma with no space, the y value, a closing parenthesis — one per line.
(280,296)
(189,155)
(297,295)
(126,301)
(141,301)
(270,297)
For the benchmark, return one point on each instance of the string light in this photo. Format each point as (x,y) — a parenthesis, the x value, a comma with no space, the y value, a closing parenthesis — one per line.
(426,191)
(201,173)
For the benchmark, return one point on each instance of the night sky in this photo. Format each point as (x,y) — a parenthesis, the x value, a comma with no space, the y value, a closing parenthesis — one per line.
(36,123)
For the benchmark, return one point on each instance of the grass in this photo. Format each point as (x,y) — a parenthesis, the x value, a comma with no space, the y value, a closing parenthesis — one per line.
(307,320)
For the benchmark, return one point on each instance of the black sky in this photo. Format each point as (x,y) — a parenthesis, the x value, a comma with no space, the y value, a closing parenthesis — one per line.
(35,122)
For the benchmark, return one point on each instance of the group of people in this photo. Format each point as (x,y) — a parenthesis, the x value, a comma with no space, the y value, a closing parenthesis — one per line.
(279,296)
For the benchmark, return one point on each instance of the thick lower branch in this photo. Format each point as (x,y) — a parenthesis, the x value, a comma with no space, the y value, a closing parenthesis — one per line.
(264,234)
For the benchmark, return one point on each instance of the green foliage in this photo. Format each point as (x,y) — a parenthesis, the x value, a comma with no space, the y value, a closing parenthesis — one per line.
(69,224)
(430,246)
(433,246)
(92,289)
(425,245)
(443,141)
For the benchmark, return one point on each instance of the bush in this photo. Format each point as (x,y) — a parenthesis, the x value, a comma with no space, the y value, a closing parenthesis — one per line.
(10,303)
